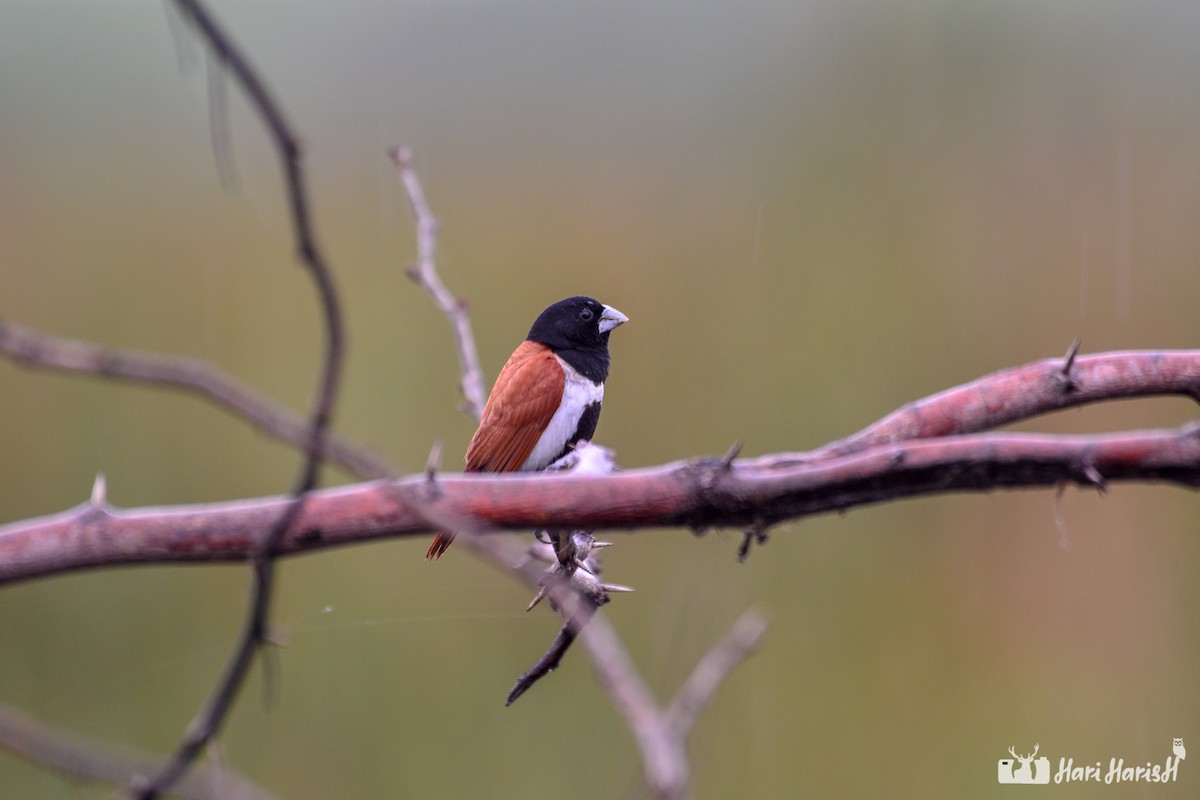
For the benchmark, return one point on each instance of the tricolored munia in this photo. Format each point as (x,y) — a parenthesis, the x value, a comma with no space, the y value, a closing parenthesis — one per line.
(548,395)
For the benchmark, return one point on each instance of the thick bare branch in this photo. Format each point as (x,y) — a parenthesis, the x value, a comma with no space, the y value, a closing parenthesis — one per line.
(100,761)
(1026,391)
(425,273)
(698,494)
(41,351)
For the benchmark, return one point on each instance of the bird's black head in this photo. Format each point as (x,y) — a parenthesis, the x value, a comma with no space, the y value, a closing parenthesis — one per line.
(577,329)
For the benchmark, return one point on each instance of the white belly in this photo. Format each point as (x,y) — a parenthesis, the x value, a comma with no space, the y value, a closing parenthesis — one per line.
(578,394)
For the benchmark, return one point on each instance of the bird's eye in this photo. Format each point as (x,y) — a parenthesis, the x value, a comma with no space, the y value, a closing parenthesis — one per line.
(586,314)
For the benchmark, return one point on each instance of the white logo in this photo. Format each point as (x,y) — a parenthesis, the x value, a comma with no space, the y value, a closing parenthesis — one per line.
(1032,770)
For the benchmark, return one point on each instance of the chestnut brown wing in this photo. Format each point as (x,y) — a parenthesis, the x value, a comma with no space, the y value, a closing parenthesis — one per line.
(522,402)
(521,405)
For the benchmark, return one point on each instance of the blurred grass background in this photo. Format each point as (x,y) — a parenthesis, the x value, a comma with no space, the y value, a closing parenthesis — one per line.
(812,212)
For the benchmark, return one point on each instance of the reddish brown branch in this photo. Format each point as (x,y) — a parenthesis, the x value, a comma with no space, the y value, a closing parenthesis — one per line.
(1026,391)
(700,494)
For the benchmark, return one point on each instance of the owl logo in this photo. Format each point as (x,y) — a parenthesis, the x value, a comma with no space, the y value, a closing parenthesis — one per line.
(1178,749)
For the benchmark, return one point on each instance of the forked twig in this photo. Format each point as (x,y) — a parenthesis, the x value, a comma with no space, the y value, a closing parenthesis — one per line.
(425,273)
(701,686)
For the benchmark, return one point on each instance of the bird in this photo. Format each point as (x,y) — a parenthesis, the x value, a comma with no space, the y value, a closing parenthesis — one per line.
(1178,749)
(547,396)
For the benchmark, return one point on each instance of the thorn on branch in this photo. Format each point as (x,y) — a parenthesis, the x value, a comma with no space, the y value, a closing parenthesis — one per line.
(1066,374)
(731,454)
(1093,477)
(432,464)
(537,598)
(755,534)
(99,498)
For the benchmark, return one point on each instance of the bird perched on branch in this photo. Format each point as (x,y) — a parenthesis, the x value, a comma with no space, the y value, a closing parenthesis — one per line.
(547,396)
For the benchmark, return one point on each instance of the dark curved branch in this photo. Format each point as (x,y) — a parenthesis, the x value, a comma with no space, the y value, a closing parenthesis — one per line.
(262,557)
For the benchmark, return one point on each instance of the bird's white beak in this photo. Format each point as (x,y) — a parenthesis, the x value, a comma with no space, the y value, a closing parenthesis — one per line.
(611,318)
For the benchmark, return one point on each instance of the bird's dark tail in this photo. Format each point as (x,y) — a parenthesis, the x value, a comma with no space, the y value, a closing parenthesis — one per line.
(441,543)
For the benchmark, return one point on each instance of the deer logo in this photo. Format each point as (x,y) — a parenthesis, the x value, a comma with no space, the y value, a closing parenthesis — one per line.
(1031,770)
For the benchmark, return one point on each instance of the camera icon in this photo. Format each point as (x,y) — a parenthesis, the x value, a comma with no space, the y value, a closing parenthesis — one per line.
(1031,770)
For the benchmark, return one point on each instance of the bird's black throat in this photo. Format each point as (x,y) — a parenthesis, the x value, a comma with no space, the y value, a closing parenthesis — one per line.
(590,362)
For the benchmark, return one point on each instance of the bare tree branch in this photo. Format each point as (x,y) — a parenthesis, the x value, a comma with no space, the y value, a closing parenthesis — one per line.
(262,555)
(701,686)
(41,351)
(99,761)
(1026,391)
(697,494)
(425,273)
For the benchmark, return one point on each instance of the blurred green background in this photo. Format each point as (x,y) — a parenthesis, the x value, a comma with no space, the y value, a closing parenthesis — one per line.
(812,212)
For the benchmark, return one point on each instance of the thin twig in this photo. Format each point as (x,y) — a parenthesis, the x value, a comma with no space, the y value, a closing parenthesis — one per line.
(554,654)
(207,723)
(425,273)
(99,761)
(38,350)
(701,686)
(663,755)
